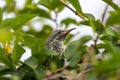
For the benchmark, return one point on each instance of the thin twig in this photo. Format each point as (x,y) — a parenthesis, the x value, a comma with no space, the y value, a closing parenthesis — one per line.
(104,13)
(103,17)
(72,10)
(95,41)
(55,20)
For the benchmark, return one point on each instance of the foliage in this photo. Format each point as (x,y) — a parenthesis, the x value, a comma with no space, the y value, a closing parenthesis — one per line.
(44,64)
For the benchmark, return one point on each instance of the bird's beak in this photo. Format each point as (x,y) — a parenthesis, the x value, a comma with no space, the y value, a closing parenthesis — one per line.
(64,33)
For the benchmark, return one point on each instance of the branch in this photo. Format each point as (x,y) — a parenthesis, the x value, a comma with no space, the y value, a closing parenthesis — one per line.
(104,13)
(55,20)
(95,41)
(72,9)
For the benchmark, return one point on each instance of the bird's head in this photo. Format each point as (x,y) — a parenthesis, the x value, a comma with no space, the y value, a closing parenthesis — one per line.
(60,35)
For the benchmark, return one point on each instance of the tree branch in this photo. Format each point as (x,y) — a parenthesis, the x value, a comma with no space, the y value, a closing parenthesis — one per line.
(104,13)
(72,10)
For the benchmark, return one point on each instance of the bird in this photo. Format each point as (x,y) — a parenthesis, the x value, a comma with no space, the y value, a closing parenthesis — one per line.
(56,41)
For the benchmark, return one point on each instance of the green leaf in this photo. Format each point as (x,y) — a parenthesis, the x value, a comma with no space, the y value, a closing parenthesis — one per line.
(49,52)
(38,46)
(103,65)
(69,21)
(17,22)
(29,40)
(89,16)
(9,1)
(28,2)
(76,5)
(74,46)
(52,4)
(113,5)
(32,63)
(69,37)
(95,24)
(109,31)
(46,3)
(5,60)
(110,47)
(45,33)
(77,56)
(17,53)
(5,35)
(39,11)
(113,20)
(1,16)
(2,51)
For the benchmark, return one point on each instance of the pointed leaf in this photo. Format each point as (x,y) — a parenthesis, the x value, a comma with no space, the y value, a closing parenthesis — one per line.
(74,46)
(113,20)
(95,24)
(37,47)
(17,53)
(69,37)
(76,5)
(77,56)
(5,60)
(32,63)
(89,16)
(42,13)
(49,52)
(69,21)
(52,4)
(39,11)
(17,22)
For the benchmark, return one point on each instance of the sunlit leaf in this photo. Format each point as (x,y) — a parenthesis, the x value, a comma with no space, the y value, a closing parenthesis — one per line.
(41,12)
(9,1)
(69,21)
(113,20)
(76,5)
(17,22)
(51,4)
(89,16)
(28,2)
(5,35)
(95,24)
